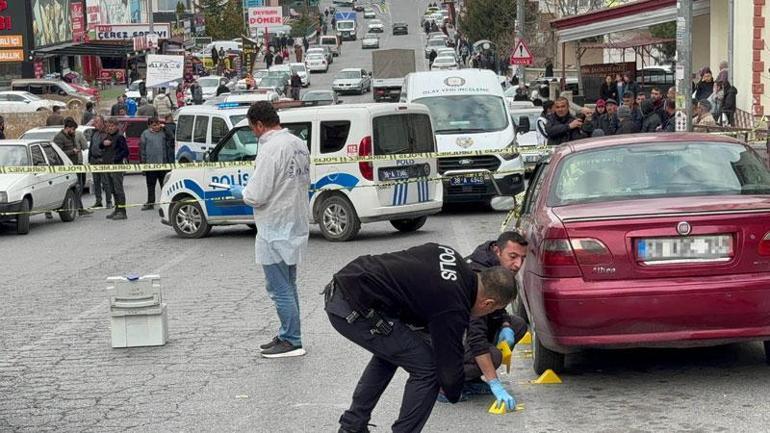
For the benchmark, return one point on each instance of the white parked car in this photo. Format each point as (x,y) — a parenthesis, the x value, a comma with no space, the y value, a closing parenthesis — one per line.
(443,52)
(316,63)
(13,101)
(302,71)
(444,63)
(132,91)
(47,133)
(352,80)
(369,13)
(25,194)
(324,51)
(209,86)
(370,40)
(375,26)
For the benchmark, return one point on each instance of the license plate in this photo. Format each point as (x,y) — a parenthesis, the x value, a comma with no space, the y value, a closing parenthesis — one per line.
(692,248)
(531,158)
(405,172)
(467,180)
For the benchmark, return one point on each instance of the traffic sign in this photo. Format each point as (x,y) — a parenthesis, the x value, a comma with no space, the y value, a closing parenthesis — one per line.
(521,54)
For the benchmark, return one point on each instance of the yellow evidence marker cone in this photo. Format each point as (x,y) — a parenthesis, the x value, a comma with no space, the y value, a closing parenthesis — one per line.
(502,409)
(549,377)
(506,351)
(526,339)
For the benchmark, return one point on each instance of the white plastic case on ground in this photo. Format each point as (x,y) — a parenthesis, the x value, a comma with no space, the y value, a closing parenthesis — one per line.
(137,312)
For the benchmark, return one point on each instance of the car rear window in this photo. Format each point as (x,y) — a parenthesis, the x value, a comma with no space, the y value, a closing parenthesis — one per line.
(184,126)
(334,135)
(402,134)
(652,170)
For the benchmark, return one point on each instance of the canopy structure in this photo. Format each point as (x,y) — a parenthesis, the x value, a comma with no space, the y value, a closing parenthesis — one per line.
(106,49)
(629,16)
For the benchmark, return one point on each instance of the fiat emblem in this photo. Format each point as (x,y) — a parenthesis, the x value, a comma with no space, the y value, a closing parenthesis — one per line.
(683,228)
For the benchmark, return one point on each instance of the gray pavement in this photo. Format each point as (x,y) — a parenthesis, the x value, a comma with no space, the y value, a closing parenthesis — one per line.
(58,372)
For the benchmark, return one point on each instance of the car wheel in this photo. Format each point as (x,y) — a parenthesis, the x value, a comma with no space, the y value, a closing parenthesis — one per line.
(41,109)
(68,210)
(22,219)
(188,220)
(74,104)
(338,219)
(543,357)
(409,225)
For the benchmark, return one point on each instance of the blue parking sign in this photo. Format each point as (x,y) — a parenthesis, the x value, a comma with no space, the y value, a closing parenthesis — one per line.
(253,3)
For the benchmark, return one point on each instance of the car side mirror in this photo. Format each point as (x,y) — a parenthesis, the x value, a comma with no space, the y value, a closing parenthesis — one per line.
(207,156)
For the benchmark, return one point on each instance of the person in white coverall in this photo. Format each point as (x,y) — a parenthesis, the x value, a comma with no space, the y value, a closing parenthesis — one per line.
(278,192)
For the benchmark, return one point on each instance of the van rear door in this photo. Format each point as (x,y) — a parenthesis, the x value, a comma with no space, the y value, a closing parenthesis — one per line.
(404,180)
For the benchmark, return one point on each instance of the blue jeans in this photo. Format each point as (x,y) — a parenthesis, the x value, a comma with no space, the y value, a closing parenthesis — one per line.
(281,284)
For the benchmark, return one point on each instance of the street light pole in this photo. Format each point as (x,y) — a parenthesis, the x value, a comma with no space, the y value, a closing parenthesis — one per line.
(520,18)
(151,21)
(684,65)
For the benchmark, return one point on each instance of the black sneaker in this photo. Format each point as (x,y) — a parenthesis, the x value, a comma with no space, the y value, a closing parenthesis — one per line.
(119,216)
(344,430)
(148,207)
(283,349)
(272,343)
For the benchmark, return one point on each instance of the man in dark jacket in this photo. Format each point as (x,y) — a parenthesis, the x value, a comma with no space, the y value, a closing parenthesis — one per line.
(669,122)
(115,151)
(153,149)
(95,157)
(651,120)
(728,104)
(482,357)
(410,309)
(55,118)
(563,126)
(609,121)
(65,139)
(629,100)
(115,110)
(626,125)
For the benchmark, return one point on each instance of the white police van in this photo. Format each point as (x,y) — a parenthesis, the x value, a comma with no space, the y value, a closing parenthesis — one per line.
(343,194)
(469,113)
(200,127)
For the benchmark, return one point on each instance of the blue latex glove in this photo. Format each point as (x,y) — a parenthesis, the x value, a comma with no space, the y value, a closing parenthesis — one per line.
(501,394)
(506,334)
(236,191)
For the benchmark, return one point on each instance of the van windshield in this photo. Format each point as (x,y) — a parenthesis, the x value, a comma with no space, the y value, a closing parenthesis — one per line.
(479,113)
(346,25)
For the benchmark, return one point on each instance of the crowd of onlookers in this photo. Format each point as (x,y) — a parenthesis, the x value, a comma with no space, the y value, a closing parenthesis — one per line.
(624,109)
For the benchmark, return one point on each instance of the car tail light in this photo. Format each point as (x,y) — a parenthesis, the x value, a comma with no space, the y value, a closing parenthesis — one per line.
(589,251)
(366,167)
(558,259)
(764,245)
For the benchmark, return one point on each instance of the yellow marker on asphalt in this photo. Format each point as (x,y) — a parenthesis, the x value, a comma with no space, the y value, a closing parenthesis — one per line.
(526,339)
(502,410)
(506,351)
(549,377)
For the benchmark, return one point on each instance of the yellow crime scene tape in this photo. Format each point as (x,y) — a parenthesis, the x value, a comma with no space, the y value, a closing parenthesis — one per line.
(140,168)
(379,185)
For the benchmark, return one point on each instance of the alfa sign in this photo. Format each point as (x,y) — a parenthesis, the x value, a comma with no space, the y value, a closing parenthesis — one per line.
(162,69)
(127,32)
(265,17)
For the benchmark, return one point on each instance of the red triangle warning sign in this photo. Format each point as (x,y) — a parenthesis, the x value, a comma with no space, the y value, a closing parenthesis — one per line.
(521,54)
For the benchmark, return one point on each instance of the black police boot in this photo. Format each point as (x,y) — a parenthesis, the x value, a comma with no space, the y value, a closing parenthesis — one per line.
(344,430)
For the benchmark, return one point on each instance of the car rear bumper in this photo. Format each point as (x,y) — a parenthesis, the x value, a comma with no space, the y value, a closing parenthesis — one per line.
(651,313)
(402,212)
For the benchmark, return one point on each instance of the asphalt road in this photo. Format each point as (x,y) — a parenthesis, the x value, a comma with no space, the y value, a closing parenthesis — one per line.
(58,372)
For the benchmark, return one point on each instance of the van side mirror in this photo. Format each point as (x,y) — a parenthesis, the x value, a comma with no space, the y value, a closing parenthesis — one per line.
(206,155)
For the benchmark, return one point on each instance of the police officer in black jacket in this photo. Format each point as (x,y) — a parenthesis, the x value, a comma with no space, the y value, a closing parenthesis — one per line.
(410,309)
(482,357)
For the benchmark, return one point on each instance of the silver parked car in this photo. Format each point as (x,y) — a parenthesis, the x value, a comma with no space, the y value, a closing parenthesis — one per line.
(352,80)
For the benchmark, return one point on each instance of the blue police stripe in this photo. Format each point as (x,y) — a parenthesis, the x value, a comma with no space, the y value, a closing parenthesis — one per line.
(395,194)
(405,193)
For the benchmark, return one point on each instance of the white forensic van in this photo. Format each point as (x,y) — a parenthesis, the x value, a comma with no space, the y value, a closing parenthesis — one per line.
(469,113)
(342,195)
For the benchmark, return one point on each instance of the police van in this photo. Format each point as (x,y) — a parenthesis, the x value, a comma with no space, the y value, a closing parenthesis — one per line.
(469,113)
(343,194)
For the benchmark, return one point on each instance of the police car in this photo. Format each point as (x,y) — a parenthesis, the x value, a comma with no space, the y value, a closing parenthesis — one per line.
(200,127)
(343,194)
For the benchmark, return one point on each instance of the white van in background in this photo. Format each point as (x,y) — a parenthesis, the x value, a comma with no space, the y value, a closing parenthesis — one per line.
(343,194)
(469,113)
(200,127)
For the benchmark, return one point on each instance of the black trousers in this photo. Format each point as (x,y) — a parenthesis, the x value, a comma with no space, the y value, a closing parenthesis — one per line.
(404,348)
(115,182)
(151,178)
(472,370)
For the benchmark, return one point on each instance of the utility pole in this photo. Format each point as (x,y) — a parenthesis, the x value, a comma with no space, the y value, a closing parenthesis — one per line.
(151,20)
(683,65)
(520,18)
(730,37)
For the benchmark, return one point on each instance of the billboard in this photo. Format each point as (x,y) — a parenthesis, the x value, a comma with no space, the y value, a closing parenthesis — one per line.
(112,12)
(51,22)
(14,28)
(127,32)
(162,70)
(265,17)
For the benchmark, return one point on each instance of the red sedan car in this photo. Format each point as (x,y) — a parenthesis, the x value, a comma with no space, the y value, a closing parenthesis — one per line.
(646,241)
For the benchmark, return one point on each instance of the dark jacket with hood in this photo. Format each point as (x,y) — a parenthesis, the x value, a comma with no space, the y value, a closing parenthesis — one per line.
(482,331)
(651,120)
(117,152)
(609,123)
(67,144)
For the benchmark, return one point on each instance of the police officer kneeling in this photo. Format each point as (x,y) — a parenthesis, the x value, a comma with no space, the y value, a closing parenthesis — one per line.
(410,309)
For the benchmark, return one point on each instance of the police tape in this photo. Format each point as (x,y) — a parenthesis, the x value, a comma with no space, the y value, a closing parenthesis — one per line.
(515,212)
(327,188)
(141,168)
